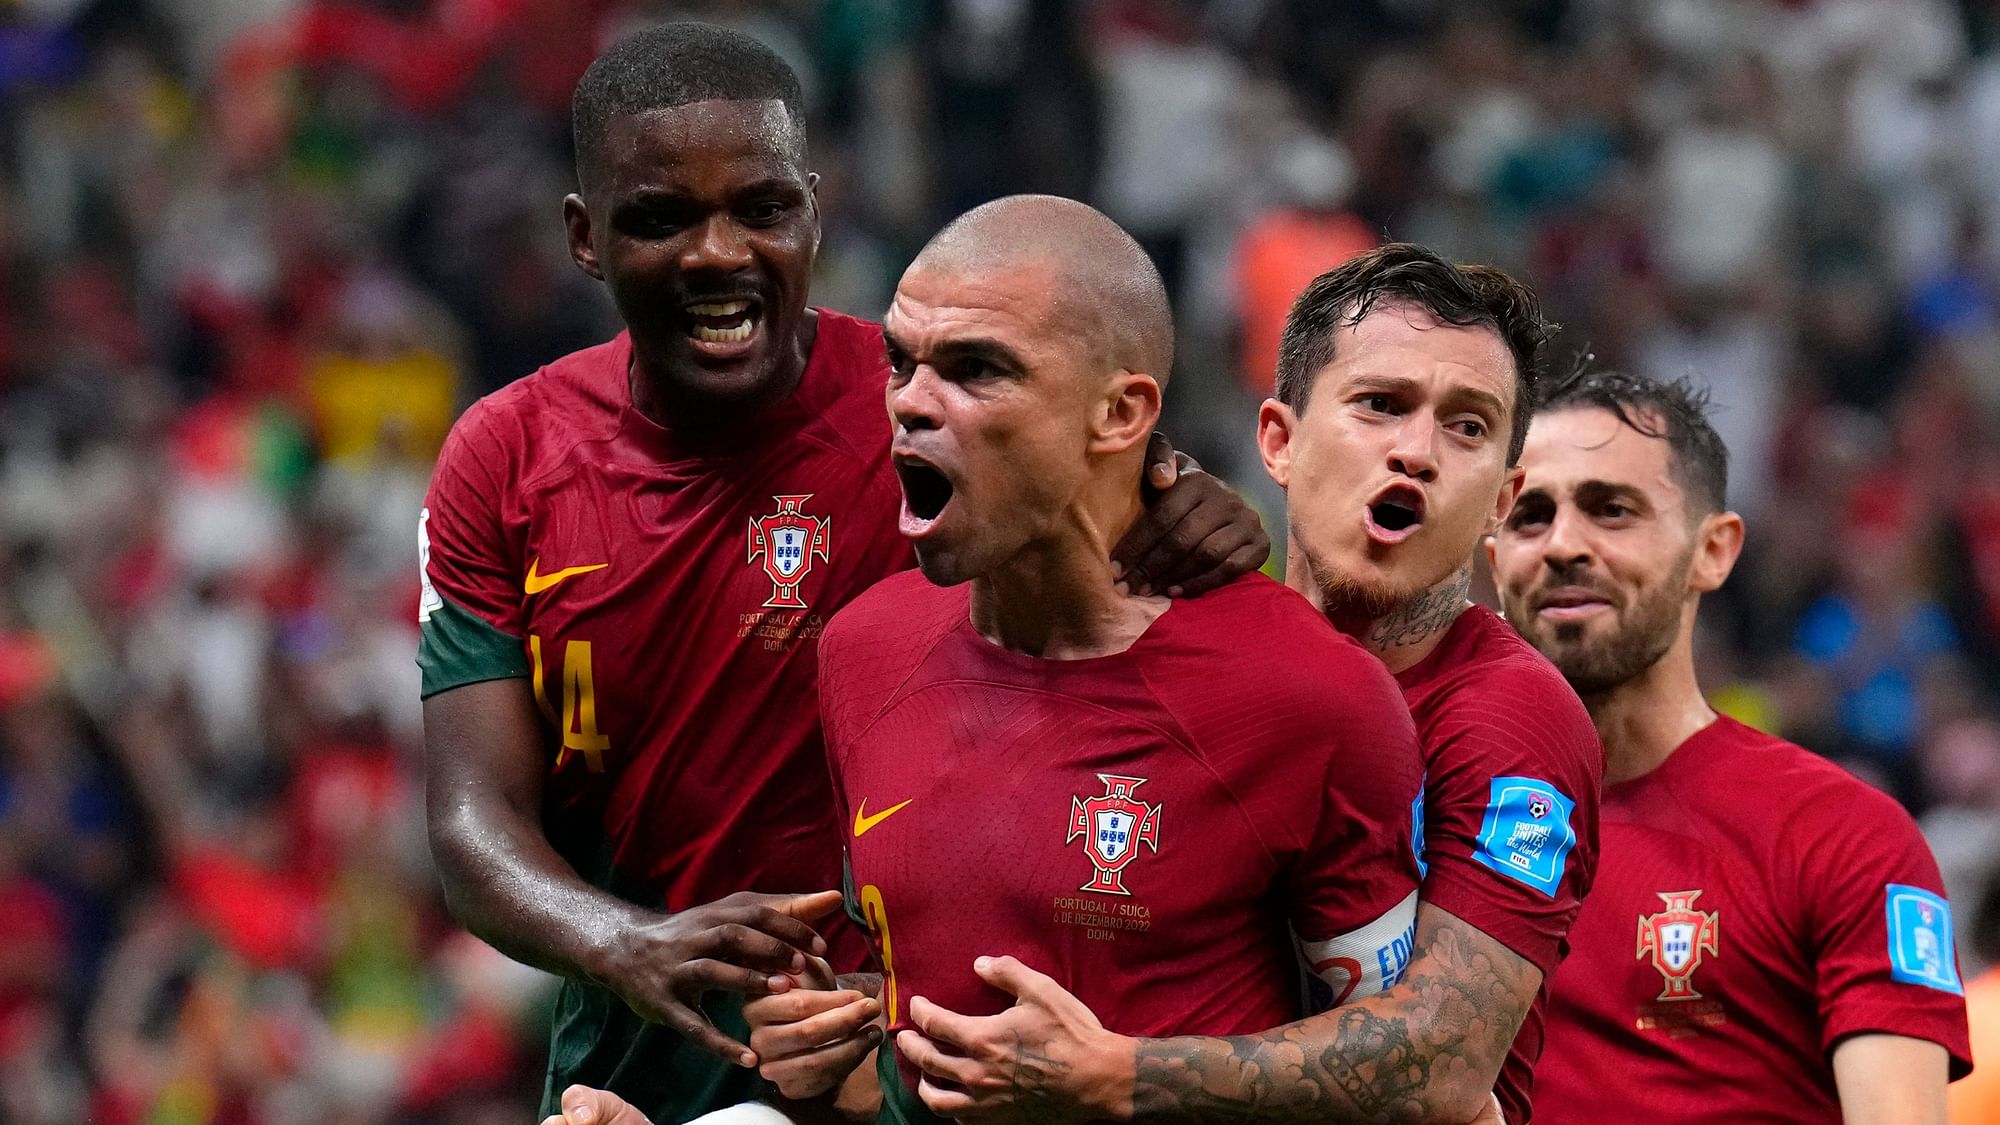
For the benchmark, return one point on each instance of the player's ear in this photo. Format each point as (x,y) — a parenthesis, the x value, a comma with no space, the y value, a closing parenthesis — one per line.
(576,220)
(1719,541)
(1276,423)
(1127,413)
(1510,491)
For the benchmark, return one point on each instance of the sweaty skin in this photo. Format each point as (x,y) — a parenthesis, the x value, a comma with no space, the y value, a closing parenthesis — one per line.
(956,409)
(1410,401)
(691,204)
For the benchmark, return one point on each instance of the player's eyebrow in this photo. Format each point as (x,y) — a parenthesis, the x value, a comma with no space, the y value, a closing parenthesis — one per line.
(1532,503)
(1591,493)
(1384,384)
(1474,397)
(1481,400)
(769,185)
(654,197)
(992,352)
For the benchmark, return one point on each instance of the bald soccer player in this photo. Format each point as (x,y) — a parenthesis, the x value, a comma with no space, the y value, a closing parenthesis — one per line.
(1404,396)
(627,559)
(1113,787)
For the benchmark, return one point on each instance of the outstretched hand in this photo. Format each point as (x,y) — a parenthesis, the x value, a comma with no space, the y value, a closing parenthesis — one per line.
(1194,535)
(1047,1059)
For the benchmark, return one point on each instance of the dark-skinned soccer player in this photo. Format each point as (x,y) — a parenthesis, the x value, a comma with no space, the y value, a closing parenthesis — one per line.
(628,557)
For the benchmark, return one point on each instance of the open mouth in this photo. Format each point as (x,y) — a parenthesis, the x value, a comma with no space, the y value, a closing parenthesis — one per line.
(1396,513)
(926,493)
(722,323)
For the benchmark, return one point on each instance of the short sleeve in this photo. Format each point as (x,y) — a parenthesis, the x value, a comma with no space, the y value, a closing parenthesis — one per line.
(1354,889)
(1880,926)
(469,619)
(1510,810)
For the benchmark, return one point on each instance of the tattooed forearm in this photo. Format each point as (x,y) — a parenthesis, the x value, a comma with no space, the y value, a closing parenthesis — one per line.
(1428,613)
(1427,1050)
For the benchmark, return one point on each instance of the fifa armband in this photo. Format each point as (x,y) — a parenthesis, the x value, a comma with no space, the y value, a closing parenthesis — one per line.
(1364,961)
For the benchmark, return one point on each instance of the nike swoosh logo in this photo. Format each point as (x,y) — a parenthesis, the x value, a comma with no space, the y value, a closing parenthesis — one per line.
(536,583)
(863,822)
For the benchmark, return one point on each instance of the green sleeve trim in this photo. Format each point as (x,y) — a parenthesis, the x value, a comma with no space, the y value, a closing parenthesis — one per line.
(900,1105)
(848,900)
(455,647)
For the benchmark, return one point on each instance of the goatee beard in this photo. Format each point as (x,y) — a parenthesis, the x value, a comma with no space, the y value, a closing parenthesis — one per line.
(1386,618)
(1346,600)
(1636,644)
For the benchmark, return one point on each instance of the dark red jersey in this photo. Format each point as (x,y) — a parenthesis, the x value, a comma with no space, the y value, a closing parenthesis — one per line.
(1161,830)
(1512,771)
(1755,905)
(664,591)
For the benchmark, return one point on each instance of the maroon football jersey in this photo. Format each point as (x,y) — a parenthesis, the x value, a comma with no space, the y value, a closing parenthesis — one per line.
(1512,772)
(666,591)
(663,591)
(1161,829)
(1754,905)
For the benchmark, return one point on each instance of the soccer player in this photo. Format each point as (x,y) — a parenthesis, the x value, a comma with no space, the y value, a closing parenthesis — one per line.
(628,559)
(1768,939)
(1113,786)
(1405,384)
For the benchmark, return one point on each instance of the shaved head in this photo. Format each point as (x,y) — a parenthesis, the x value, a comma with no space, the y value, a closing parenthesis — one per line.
(1105,289)
(1027,348)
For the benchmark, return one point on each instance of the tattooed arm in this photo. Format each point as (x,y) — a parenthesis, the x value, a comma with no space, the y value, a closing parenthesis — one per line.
(1427,1050)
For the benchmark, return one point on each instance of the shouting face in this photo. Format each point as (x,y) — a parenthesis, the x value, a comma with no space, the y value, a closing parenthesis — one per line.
(1397,463)
(701,220)
(999,407)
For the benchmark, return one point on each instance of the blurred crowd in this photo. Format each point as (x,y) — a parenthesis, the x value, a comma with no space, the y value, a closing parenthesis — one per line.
(256,254)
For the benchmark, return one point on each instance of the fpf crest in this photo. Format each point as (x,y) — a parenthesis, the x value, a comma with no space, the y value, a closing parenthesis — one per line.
(1113,826)
(789,540)
(1676,938)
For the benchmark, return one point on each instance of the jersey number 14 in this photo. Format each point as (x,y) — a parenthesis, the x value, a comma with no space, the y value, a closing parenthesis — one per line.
(578,722)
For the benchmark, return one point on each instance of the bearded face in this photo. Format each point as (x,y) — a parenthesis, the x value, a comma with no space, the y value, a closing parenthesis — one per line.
(1597,652)
(1594,564)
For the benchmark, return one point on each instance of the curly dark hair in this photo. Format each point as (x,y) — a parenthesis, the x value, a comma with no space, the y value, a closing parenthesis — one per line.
(1674,411)
(1455,294)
